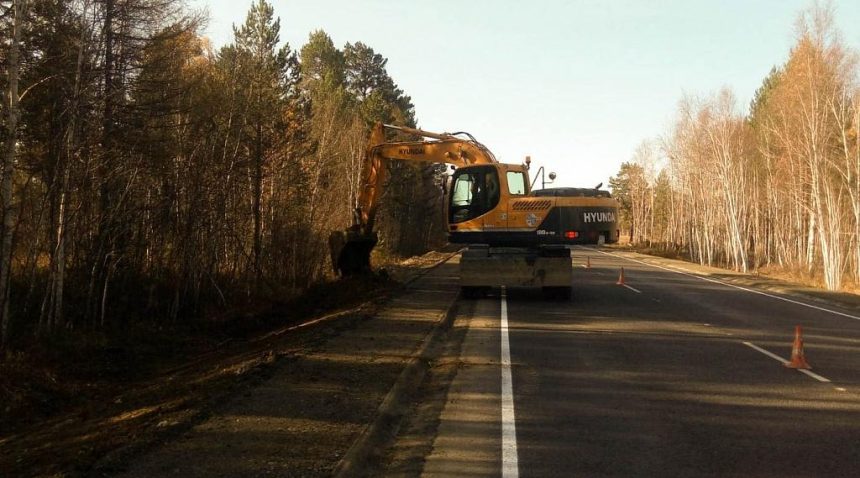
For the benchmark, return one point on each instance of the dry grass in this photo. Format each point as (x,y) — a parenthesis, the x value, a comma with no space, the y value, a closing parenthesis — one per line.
(800,277)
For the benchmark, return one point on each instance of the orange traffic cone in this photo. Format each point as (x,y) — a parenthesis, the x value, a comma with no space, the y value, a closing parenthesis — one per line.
(621,278)
(798,360)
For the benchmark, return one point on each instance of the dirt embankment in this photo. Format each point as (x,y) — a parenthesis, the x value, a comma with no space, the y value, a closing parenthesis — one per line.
(89,415)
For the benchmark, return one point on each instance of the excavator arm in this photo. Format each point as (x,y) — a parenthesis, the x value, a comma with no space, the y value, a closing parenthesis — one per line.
(351,248)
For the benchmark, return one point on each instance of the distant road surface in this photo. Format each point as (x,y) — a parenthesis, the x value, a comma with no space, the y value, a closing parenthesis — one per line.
(671,375)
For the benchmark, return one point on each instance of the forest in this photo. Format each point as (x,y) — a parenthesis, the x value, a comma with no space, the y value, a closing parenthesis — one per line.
(776,188)
(149,178)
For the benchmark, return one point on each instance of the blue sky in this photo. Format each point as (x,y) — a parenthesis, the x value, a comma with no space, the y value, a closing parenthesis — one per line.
(576,84)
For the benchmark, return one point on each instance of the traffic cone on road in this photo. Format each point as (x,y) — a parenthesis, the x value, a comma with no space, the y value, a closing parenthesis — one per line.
(798,359)
(620,278)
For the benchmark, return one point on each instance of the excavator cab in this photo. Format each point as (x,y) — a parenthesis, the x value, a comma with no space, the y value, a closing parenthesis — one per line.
(475,191)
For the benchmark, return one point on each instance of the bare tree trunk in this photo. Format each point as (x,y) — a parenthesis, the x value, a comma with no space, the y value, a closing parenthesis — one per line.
(53,314)
(256,200)
(11,100)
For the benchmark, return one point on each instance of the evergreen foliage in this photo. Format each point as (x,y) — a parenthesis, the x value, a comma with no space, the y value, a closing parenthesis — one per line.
(157,180)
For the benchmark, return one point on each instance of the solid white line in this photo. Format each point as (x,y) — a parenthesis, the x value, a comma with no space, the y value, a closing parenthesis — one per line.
(835,312)
(633,289)
(783,361)
(510,468)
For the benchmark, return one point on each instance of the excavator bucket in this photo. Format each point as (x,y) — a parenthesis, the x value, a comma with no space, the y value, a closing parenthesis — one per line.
(350,251)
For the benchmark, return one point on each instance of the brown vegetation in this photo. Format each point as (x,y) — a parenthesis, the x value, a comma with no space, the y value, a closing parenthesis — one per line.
(778,188)
(150,179)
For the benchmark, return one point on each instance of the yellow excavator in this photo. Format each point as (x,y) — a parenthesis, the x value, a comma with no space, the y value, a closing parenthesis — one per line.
(515,236)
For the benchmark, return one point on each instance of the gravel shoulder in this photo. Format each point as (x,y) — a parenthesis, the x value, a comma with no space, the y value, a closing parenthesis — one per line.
(314,403)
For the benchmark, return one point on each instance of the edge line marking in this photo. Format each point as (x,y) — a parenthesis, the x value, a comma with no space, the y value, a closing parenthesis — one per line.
(510,466)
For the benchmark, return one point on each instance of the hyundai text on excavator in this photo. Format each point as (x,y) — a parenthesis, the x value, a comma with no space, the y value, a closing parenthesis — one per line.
(516,237)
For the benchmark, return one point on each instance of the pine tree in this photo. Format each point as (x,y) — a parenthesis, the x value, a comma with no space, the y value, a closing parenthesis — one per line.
(264,69)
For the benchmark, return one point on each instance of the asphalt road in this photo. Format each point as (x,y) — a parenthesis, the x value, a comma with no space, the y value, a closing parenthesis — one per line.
(666,376)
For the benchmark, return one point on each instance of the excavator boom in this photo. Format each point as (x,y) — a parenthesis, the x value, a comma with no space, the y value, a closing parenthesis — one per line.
(351,248)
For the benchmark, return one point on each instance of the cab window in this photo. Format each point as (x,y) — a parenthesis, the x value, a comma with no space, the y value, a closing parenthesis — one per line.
(474,192)
(516,183)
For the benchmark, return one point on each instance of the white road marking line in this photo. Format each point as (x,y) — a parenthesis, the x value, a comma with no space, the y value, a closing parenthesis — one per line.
(766,352)
(707,279)
(814,375)
(745,289)
(783,361)
(510,468)
(633,289)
